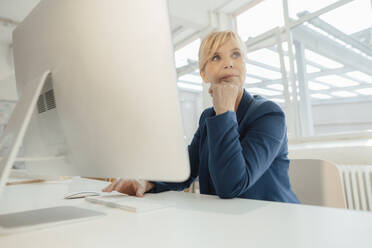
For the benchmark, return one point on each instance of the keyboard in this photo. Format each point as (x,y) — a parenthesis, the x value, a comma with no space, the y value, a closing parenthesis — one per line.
(128,203)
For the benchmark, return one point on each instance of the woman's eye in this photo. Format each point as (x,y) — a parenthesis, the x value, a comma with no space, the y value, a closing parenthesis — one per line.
(215,57)
(236,54)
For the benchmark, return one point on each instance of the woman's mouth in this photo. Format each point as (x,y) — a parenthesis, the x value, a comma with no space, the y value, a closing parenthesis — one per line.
(228,77)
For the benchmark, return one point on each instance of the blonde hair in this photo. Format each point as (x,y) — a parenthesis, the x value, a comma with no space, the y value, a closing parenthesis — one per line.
(213,42)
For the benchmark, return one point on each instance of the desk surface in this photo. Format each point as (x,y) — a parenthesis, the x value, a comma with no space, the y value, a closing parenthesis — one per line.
(194,221)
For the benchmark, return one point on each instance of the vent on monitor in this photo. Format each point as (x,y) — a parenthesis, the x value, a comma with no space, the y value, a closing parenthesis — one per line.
(46,101)
(41,104)
(50,101)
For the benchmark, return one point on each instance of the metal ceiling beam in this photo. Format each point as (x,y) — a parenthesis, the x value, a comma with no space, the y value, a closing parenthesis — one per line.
(262,65)
(328,72)
(319,23)
(186,69)
(320,12)
(331,49)
(308,62)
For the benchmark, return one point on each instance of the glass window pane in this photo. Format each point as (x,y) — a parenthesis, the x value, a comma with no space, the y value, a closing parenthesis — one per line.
(335,83)
(188,52)
(358,13)
(264,76)
(261,17)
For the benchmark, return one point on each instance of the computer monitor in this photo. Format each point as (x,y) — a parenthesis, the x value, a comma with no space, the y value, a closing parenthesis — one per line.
(110,103)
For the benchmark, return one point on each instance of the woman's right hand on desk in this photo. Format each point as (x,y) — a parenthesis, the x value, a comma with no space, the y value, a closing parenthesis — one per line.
(130,187)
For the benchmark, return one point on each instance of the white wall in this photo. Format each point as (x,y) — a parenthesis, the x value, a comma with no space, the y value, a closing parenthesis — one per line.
(8,91)
(6,64)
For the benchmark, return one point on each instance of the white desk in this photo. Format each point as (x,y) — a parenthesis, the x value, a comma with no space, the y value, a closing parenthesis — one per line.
(195,221)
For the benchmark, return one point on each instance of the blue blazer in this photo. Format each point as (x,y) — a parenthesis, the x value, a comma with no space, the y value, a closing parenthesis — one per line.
(242,154)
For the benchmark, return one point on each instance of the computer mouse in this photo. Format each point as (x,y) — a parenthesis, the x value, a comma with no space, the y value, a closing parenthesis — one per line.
(81,194)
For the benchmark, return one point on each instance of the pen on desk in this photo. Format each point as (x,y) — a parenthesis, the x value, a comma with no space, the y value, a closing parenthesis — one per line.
(26,182)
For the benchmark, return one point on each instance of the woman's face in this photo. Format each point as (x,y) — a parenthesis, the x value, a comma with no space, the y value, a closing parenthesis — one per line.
(226,65)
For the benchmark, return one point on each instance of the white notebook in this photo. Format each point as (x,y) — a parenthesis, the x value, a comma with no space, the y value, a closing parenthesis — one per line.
(128,203)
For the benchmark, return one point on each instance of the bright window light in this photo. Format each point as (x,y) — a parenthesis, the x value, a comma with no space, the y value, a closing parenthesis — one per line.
(359,11)
(286,63)
(318,86)
(251,80)
(276,87)
(279,87)
(277,100)
(358,16)
(319,59)
(191,78)
(360,76)
(260,18)
(311,69)
(262,72)
(337,81)
(264,92)
(190,51)
(321,96)
(265,56)
(284,47)
(343,94)
(365,91)
(296,6)
(187,86)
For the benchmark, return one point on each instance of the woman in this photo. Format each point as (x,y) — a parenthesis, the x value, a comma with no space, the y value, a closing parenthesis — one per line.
(240,148)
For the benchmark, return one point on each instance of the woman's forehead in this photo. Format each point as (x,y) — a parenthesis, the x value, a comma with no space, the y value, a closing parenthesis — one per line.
(230,44)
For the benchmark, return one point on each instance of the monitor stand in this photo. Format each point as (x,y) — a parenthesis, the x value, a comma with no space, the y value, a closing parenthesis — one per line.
(15,130)
(10,143)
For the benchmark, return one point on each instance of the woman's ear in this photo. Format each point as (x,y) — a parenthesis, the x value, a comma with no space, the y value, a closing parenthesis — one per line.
(204,77)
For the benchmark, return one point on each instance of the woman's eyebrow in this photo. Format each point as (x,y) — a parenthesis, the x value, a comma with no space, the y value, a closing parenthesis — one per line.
(235,49)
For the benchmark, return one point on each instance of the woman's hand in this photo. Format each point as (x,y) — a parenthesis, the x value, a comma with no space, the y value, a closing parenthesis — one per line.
(224,96)
(130,187)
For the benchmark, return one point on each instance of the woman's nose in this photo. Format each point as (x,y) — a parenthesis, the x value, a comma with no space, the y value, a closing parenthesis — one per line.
(228,64)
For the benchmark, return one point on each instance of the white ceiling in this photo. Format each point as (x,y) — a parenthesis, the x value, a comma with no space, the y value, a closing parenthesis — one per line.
(16,10)
(186,16)
(13,11)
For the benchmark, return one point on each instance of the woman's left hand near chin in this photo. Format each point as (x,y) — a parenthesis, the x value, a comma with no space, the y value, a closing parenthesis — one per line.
(224,96)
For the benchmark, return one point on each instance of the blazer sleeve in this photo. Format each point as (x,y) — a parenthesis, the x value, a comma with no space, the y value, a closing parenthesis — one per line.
(236,164)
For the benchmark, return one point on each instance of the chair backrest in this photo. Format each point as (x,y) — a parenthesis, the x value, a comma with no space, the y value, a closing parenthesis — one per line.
(317,182)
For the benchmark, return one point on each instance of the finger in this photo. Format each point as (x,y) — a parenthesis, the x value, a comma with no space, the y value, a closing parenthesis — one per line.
(140,192)
(110,187)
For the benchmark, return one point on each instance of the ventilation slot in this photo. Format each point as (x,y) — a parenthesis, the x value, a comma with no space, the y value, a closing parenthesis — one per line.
(41,104)
(50,101)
